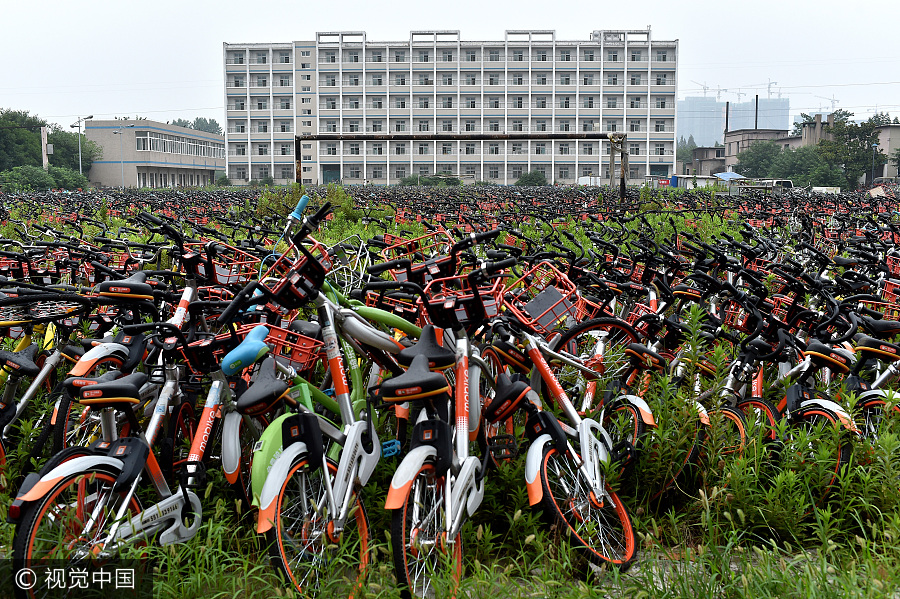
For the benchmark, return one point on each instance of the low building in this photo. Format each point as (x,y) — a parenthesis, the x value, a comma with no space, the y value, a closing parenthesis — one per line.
(888,143)
(739,140)
(142,153)
(707,161)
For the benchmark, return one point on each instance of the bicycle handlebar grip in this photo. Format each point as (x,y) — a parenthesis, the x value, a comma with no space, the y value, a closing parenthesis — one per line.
(377,269)
(104,240)
(228,315)
(487,236)
(493,267)
(301,206)
(322,213)
(388,285)
(150,218)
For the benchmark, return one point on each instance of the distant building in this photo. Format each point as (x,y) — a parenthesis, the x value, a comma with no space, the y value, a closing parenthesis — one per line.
(141,153)
(704,118)
(888,142)
(738,141)
(706,161)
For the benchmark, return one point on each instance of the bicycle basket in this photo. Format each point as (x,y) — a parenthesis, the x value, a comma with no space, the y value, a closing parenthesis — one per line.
(542,298)
(452,302)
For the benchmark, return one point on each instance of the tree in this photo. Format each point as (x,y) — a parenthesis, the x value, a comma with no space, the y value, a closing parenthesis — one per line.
(181,123)
(532,179)
(223,181)
(26,178)
(65,150)
(20,139)
(805,166)
(67,178)
(684,149)
(210,126)
(756,161)
(805,119)
(852,149)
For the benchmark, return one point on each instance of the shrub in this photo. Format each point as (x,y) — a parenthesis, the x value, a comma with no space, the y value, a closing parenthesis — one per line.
(26,178)
(532,179)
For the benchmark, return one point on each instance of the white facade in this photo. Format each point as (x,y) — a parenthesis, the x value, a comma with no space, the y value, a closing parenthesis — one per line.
(433,83)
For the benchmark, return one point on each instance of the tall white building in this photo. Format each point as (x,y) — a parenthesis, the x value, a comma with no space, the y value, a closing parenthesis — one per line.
(435,83)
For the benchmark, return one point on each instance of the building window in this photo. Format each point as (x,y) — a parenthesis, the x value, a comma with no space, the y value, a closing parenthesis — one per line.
(517,125)
(517,102)
(636,55)
(377,79)
(377,149)
(354,149)
(470,149)
(376,56)
(662,56)
(329,57)
(400,126)
(400,172)
(376,126)
(401,103)
(353,127)
(636,79)
(611,103)
(493,172)
(565,79)
(286,103)
(540,125)
(423,149)
(353,80)
(401,79)
(589,56)
(447,55)
(517,150)
(565,55)
(659,149)
(446,125)
(660,102)
(564,102)
(493,125)
(634,149)
(589,102)
(239,149)
(263,149)
(541,56)
(284,81)
(423,171)
(446,149)
(470,102)
(331,150)
(493,79)
(262,58)
(494,149)
(518,79)
(660,126)
(494,55)
(262,104)
(331,126)
(587,149)
(470,125)
(515,172)
(540,102)
(660,79)
(588,79)
(470,80)
(634,125)
(494,103)
(353,56)
(353,172)
(331,103)
(304,65)
(448,102)
(518,56)
(564,125)
(304,52)
(424,56)
(399,56)
(470,56)
(262,127)
(329,81)
(540,79)
(636,103)
(564,172)
(612,79)
(587,126)
(423,125)
(563,148)
(287,172)
(377,172)
(540,148)
(447,79)
(612,56)
(400,149)
(611,126)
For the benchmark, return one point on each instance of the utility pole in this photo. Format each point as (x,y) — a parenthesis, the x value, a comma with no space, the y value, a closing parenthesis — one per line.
(78,124)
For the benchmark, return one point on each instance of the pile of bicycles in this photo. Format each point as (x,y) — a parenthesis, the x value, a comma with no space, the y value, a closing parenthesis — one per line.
(152,337)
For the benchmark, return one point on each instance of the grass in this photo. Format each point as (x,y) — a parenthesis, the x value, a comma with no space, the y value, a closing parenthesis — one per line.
(737,526)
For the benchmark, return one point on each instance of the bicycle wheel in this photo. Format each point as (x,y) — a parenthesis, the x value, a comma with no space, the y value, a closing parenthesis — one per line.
(728,432)
(762,415)
(623,423)
(70,521)
(303,544)
(599,526)
(422,551)
(874,418)
(819,447)
(600,344)
(176,446)
(504,438)
(41,307)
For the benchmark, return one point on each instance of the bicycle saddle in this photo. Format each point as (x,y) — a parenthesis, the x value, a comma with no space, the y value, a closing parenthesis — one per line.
(114,394)
(134,287)
(825,356)
(642,356)
(439,357)
(882,350)
(880,328)
(74,384)
(418,382)
(308,329)
(20,363)
(265,393)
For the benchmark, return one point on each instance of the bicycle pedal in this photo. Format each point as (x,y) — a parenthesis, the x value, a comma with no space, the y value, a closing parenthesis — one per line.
(198,475)
(503,447)
(390,448)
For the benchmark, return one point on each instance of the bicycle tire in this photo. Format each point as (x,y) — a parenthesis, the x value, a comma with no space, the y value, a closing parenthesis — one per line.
(732,437)
(42,307)
(303,567)
(600,528)
(242,487)
(815,416)
(762,414)
(419,548)
(872,418)
(581,341)
(623,422)
(72,497)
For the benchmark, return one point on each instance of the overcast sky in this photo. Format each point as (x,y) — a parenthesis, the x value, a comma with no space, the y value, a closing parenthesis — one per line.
(163,59)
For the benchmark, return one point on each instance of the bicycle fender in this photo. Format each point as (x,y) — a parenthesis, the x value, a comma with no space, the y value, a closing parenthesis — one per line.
(838,410)
(266,452)
(231,446)
(643,408)
(474,400)
(274,481)
(533,460)
(405,475)
(702,413)
(86,362)
(367,459)
(73,466)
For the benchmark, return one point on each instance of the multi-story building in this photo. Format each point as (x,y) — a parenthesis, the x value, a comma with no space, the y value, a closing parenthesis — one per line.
(142,153)
(435,83)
